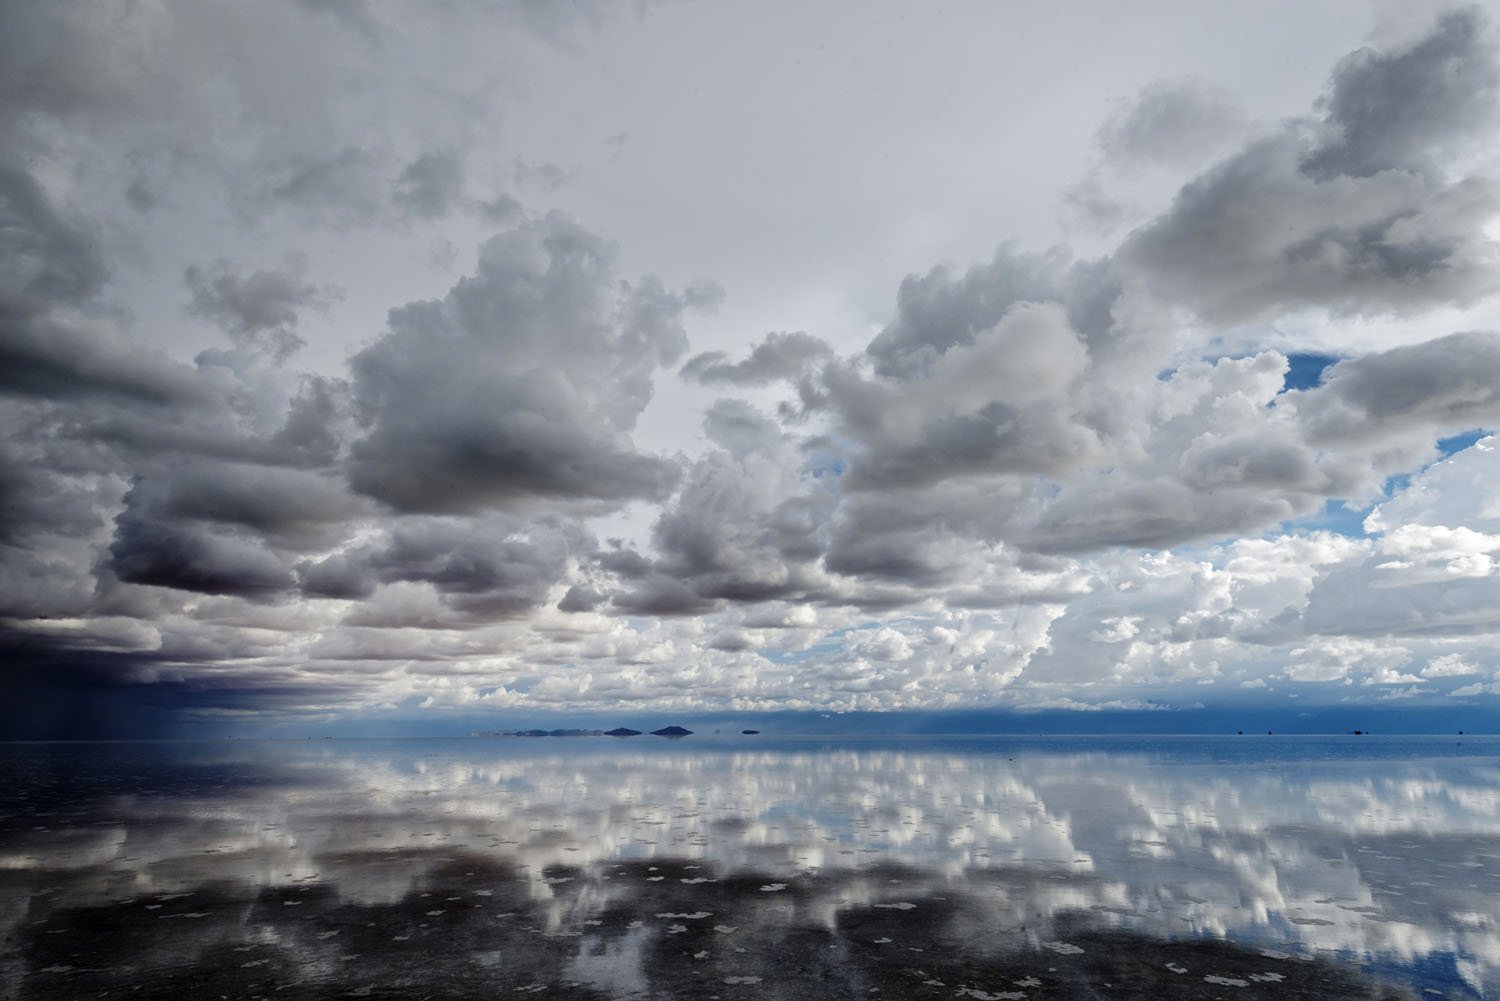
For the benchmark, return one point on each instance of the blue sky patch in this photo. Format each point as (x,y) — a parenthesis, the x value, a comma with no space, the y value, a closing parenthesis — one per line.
(1305,369)
(1454,444)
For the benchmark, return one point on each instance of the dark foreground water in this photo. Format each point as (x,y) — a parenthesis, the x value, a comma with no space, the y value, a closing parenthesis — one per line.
(983,868)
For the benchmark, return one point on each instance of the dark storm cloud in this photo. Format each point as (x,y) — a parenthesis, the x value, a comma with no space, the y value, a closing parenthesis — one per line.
(56,691)
(523,383)
(1354,212)
(194,557)
(50,269)
(292,508)
(259,309)
(431,185)
(35,500)
(778,356)
(66,359)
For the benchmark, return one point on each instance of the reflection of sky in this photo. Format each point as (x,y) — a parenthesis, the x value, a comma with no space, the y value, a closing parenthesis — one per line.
(1390,860)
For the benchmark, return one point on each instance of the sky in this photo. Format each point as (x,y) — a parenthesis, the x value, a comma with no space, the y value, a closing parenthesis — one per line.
(429,363)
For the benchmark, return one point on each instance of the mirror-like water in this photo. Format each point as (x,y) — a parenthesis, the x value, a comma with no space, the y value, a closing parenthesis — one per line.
(987,868)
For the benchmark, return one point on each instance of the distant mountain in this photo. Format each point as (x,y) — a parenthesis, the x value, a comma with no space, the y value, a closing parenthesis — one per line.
(749,733)
(671,731)
(622,731)
(537,733)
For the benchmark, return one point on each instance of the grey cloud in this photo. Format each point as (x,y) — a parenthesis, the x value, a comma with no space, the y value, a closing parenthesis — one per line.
(1353,213)
(475,559)
(311,432)
(1255,460)
(745,526)
(580,599)
(518,438)
(353,14)
(1407,109)
(503,209)
(1020,368)
(291,508)
(778,356)
(480,569)
(541,174)
(660,594)
(916,538)
(1222,462)
(45,257)
(344,189)
(259,309)
(917,556)
(1003,399)
(732,641)
(44,357)
(1364,599)
(1255,235)
(190,557)
(50,271)
(55,59)
(714,535)
(522,383)
(340,576)
(36,501)
(140,195)
(936,312)
(1087,206)
(739,428)
(994,439)
(1448,384)
(1171,122)
(431,185)
(1155,513)
(625,562)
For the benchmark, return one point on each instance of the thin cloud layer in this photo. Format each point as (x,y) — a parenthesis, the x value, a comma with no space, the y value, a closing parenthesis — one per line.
(368,408)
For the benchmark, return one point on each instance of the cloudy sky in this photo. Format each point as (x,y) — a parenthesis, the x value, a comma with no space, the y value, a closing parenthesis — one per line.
(366,359)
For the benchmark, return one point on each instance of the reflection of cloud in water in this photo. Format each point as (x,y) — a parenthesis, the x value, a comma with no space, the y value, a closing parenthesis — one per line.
(1397,862)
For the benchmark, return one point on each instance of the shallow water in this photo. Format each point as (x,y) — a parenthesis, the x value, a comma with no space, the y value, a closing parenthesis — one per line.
(985,868)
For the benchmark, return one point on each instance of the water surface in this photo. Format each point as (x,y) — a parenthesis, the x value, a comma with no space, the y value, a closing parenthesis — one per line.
(987,868)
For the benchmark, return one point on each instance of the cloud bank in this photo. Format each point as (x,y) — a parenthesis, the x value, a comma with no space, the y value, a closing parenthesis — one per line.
(301,423)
